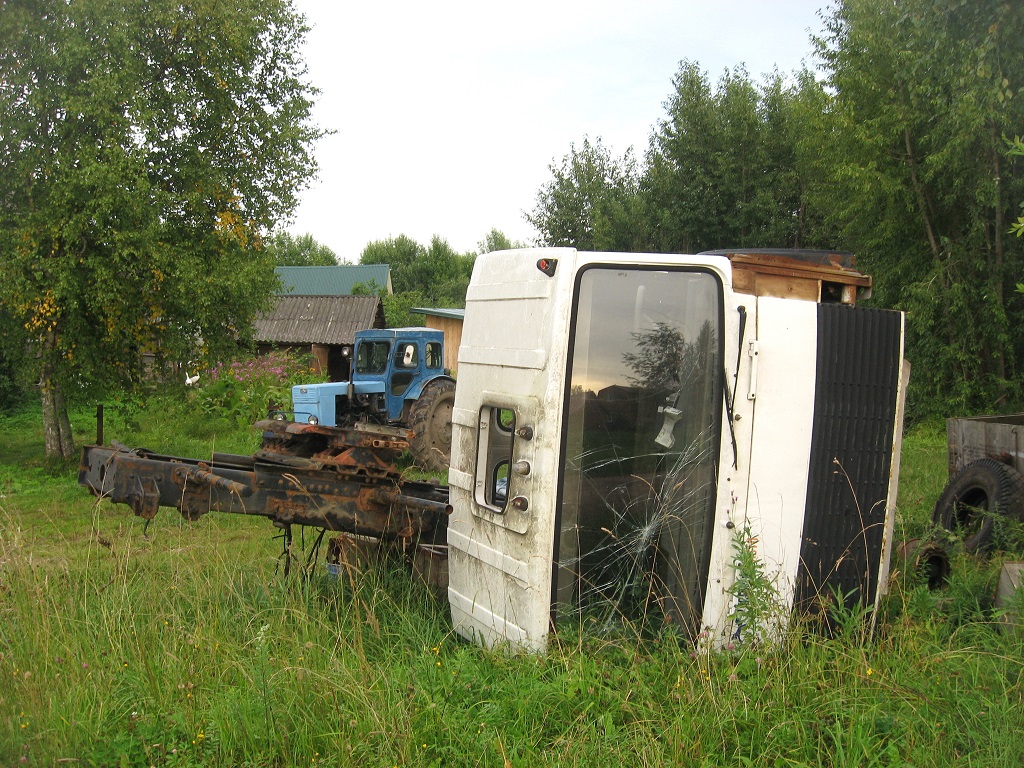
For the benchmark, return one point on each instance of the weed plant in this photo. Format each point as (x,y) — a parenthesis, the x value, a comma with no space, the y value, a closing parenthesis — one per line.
(244,390)
(758,615)
(186,646)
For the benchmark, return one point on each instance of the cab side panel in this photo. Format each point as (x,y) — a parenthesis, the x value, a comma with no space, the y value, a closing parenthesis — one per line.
(780,384)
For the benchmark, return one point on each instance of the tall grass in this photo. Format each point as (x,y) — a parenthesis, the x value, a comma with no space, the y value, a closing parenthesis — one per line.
(184,645)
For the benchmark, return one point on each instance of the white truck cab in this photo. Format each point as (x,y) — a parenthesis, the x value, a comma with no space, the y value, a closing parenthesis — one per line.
(621,418)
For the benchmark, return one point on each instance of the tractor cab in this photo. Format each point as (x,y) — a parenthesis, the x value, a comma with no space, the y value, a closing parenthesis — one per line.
(392,366)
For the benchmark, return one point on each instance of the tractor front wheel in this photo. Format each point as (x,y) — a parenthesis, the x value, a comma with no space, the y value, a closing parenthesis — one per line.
(430,419)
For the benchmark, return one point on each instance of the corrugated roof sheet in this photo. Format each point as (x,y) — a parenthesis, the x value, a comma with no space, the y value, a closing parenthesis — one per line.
(454,314)
(332,281)
(319,319)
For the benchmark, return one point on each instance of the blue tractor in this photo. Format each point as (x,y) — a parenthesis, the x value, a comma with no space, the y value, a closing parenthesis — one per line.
(399,395)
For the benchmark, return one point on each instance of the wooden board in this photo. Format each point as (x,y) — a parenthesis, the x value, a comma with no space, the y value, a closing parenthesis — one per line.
(817,276)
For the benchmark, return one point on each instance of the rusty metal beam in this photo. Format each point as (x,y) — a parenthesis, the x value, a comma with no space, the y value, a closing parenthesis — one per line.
(337,498)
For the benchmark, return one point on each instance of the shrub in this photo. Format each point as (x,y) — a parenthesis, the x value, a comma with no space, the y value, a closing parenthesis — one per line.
(243,390)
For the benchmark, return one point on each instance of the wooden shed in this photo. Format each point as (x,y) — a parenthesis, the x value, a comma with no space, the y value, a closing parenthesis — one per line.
(324,326)
(450,322)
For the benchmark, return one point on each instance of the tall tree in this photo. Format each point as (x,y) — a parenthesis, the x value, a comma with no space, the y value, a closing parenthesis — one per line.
(436,275)
(401,254)
(592,201)
(446,273)
(922,184)
(680,182)
(496,240)
(299,251)
(145,146)
(724,167)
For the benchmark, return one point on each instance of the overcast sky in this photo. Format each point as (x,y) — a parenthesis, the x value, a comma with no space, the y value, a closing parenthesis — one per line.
(446,115)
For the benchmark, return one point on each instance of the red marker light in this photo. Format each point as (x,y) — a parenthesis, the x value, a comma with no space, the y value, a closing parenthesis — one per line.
(547,266)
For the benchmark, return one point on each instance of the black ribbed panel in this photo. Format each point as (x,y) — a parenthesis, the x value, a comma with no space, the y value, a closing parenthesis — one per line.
(851,450)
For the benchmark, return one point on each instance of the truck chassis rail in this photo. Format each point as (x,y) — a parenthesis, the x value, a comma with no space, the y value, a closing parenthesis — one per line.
(334,498)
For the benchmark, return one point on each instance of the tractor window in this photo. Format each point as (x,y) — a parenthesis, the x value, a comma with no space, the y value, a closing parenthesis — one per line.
(435,359)
(406,356)
(372,357)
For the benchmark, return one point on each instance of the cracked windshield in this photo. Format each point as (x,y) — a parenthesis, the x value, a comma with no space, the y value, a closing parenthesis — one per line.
(638,488)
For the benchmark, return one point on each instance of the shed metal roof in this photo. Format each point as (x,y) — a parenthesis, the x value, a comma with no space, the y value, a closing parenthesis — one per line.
(319,319)
(332,281)
(452,314)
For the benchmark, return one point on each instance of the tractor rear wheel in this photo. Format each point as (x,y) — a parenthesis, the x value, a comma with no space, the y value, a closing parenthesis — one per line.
(430,419)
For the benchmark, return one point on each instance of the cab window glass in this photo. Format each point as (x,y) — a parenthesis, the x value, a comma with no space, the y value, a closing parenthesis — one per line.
(434,358)
(494,458)
(643,417)
(372,357)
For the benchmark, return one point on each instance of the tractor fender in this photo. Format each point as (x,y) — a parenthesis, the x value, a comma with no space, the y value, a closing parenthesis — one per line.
(414,392)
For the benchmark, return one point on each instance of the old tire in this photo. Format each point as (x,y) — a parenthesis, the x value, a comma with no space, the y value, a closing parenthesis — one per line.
(430,419)
(974,496)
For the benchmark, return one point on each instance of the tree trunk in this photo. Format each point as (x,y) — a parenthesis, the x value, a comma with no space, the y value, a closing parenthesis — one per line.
(996,272)
(923,204)
(56,425)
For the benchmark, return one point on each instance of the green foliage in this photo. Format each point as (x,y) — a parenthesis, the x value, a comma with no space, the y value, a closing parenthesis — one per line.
(730,166)
(243,391)
(15,362)
(439,273)
(434,276)
(758,613)
(397,308)
(1016,149)
(727,167)
(184,646)
(899,153)
(299,251)
(144,149)
(496,240)
(592,202)
(922,186)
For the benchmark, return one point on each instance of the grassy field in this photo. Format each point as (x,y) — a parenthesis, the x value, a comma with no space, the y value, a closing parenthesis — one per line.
(184,645)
